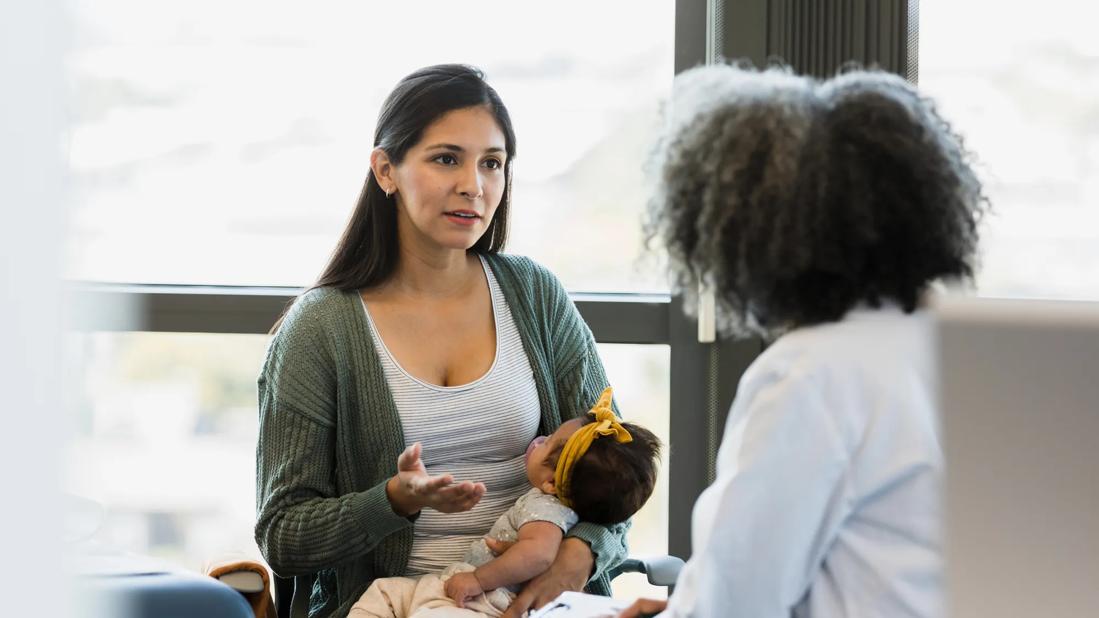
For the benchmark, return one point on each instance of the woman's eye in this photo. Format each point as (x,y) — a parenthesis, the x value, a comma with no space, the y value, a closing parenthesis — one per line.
(447,159)
(493,164)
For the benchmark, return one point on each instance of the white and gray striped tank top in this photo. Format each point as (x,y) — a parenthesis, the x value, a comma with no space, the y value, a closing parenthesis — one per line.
(477,431)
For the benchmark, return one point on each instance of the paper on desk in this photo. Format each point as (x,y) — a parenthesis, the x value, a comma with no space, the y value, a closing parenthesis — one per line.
(580,605)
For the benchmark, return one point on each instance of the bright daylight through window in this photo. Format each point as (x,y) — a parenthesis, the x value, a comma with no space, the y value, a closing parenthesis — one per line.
(226,142)
(1022,91)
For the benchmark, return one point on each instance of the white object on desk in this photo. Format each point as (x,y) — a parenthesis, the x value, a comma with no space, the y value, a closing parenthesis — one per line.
(242,581)
(579,605)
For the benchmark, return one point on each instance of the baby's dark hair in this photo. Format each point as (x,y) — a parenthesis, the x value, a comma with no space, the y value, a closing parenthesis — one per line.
(612,480)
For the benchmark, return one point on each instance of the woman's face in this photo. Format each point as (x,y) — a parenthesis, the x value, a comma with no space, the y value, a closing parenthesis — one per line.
(449,184)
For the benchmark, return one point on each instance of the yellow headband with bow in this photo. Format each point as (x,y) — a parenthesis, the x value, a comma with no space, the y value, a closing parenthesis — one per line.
(606,424)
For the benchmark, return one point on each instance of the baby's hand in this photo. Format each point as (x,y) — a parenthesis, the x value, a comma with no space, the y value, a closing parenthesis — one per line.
(496,546)
(463,586)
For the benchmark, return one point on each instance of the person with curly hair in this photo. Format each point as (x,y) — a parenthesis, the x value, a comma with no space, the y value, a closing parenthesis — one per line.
(820,213)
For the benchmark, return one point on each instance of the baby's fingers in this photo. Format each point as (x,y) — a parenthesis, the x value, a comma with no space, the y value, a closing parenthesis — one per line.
(496,546)
(453,592)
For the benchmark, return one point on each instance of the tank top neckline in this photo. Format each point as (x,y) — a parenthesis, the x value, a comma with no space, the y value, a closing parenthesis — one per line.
(494,297)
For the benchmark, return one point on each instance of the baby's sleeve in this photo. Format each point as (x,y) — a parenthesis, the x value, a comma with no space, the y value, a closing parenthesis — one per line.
(538,506)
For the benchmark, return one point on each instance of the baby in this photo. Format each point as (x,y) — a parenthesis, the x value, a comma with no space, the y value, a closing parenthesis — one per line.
(597,470)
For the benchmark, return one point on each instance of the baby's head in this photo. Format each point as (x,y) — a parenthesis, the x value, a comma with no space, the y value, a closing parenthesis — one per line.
(606,482)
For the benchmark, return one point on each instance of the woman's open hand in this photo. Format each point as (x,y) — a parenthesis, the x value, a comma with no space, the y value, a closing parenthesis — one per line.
(412,489)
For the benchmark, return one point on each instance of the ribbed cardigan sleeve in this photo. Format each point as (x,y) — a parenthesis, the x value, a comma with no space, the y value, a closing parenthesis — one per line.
(302,524)
(580,379)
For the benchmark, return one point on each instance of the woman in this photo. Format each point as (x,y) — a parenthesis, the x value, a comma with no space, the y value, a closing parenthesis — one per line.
(422,355)
(820,213)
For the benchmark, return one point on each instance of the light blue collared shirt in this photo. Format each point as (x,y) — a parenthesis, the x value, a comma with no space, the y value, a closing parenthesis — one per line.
(827,497)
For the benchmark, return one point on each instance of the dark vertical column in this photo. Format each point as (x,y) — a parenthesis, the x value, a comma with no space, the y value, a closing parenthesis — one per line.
(912,51)
(745,30)
(687,465)
(823,35)
(690,34)
(690,405)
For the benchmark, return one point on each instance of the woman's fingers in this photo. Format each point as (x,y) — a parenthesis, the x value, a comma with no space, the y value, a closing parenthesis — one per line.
(519,606)
(435,487)
(438,492)
(437,483)
(460,493)
(643,608)
(409,459)
(461,490)
(457,498)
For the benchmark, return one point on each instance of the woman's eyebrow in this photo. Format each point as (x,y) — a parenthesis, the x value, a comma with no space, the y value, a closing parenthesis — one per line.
(457,148)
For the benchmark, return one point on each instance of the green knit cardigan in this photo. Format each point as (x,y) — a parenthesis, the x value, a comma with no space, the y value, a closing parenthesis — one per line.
(330,434)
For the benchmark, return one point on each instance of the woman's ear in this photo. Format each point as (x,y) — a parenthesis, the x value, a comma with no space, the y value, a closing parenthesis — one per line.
(383,170)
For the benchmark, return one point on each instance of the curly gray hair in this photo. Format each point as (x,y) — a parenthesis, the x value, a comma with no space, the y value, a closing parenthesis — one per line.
(796,199)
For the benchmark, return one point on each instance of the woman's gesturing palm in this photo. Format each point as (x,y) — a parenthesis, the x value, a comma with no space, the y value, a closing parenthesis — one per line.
(413,488)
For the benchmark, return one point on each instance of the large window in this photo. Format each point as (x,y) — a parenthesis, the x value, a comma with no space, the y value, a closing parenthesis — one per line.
(1020,81)
(166,441)
(639,374)
(226,142)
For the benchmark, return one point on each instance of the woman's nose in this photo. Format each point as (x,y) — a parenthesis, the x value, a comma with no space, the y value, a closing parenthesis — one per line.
(470,186)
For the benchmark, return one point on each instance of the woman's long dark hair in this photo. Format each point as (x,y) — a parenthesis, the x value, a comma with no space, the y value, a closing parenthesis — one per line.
(366,254)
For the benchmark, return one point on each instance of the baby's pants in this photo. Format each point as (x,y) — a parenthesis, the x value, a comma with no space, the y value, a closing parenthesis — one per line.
(425,597)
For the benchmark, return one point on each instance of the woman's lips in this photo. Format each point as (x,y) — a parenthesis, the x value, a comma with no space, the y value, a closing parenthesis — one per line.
(460,220)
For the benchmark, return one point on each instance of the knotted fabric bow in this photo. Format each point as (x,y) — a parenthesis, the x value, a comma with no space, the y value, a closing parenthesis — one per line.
(606,423)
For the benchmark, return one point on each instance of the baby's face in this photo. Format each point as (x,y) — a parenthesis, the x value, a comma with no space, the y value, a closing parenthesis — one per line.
(539,473)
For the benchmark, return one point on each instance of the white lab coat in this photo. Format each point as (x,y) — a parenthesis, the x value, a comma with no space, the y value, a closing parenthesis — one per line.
(827,497)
